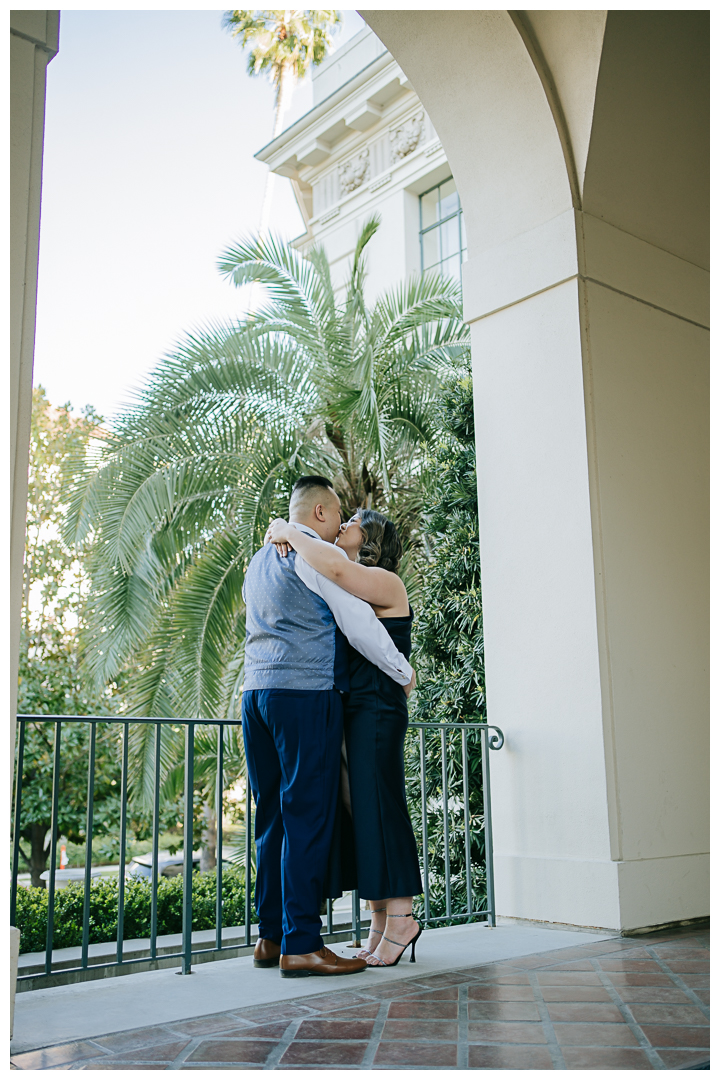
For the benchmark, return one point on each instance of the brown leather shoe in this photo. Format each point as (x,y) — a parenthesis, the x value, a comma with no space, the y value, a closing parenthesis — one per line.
(323,962)
(267,953)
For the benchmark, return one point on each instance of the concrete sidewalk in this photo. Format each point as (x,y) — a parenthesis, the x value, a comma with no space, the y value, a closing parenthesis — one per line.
(63,1013)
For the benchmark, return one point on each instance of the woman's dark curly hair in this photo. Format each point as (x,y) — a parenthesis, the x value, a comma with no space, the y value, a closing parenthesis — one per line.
(381,544)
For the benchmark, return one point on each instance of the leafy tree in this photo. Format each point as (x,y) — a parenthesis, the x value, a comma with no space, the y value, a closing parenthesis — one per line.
(53,579)
(284,45)
(449,650)
(50,682)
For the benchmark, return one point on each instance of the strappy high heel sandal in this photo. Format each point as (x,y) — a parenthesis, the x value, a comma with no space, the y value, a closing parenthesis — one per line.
(412,942)
(364,953)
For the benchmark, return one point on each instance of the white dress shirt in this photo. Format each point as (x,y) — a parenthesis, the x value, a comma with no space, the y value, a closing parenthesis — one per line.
(355,618)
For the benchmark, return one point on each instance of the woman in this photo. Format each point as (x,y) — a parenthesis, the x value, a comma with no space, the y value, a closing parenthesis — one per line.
(376,721)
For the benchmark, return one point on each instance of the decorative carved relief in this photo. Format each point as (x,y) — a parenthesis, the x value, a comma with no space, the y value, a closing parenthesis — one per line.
(354,172)
(406,138)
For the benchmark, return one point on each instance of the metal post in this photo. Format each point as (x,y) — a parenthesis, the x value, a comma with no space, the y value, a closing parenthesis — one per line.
(188,849)
(218,838)
(329,907)
(16,822)
(88,846)
(423,800)
(155,845)
(446,829)
(248,852)
(357,929)
(487,815)
(123,843)
(53,849)
(466,811)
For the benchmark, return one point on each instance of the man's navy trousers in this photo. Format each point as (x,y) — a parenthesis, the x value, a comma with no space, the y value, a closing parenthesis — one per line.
(292,745)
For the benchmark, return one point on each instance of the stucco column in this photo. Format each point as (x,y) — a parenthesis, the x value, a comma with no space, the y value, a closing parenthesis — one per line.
(33,43)
(589,358)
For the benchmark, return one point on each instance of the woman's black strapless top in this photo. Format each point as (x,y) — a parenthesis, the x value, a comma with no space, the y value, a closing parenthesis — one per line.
(365,676)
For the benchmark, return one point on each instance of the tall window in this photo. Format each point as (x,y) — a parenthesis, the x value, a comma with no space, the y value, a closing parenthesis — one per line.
(443,247)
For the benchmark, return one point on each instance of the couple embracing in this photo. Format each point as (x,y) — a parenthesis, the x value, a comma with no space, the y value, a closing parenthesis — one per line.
(324,711)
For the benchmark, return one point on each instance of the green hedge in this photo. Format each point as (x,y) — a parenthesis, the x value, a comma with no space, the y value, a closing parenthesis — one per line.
(32,906)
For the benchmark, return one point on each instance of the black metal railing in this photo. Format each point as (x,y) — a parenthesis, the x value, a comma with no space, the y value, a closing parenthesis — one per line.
(491,739)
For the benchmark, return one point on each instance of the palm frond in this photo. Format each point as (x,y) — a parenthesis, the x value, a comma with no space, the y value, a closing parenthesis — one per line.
(176,494)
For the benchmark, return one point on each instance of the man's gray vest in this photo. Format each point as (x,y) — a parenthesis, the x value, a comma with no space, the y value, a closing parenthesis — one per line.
(292,641)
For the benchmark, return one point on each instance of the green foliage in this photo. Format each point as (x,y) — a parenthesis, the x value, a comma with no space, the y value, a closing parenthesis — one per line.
(32,909)
(37,787)
(283,43)
(448,630)
(449,652)
(58,440)
(55,583)
(180,493)
(50,682)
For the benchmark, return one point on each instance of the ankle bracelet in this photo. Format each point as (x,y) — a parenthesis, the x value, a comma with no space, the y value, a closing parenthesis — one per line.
(400,916)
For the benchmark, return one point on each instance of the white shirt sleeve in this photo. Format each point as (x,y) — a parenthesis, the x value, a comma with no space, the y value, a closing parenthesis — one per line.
(358,622)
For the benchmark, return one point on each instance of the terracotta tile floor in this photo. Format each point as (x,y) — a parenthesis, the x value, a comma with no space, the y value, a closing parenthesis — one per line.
(624,1003)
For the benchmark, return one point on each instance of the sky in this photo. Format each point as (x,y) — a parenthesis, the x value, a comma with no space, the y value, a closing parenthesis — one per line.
(148,175)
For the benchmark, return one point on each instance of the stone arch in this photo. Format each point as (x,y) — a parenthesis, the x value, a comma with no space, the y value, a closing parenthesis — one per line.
(489,108)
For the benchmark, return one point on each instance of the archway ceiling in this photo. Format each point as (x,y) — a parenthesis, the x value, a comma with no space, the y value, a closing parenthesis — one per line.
(625,92)
(648,164)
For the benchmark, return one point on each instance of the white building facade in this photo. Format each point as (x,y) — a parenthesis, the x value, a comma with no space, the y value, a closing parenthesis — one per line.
(368,147)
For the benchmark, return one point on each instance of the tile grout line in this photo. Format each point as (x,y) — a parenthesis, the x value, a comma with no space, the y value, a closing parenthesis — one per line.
(645,1045)
(463,1051)
(547,1025)
(290,1032)
(244,1065)
(680,983)
(104,1049)
(174,1037)
(182,1056)
(375,1035)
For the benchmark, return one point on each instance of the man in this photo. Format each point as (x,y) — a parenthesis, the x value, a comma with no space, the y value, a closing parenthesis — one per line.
(295,670)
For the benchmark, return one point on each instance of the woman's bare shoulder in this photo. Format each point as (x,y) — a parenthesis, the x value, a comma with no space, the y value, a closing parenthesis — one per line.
(395,602)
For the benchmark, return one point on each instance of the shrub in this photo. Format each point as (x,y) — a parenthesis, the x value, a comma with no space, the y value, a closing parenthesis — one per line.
(449,653)
(32,909)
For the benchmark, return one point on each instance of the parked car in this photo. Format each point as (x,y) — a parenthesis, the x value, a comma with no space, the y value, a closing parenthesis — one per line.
(65,876)
(168,865)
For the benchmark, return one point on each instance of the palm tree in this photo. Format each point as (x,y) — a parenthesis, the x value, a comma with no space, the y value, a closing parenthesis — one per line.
(180,490)
(285,44)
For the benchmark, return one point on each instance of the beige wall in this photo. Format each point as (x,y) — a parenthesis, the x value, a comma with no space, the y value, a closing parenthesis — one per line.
(579,144)
(647,403)
(394,251)
(33,43)
(553,857)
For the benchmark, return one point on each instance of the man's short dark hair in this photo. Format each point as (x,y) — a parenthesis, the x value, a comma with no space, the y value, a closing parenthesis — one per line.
(311,481)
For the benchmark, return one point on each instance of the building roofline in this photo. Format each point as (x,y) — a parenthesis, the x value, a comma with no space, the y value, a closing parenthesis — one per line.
(324,106)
